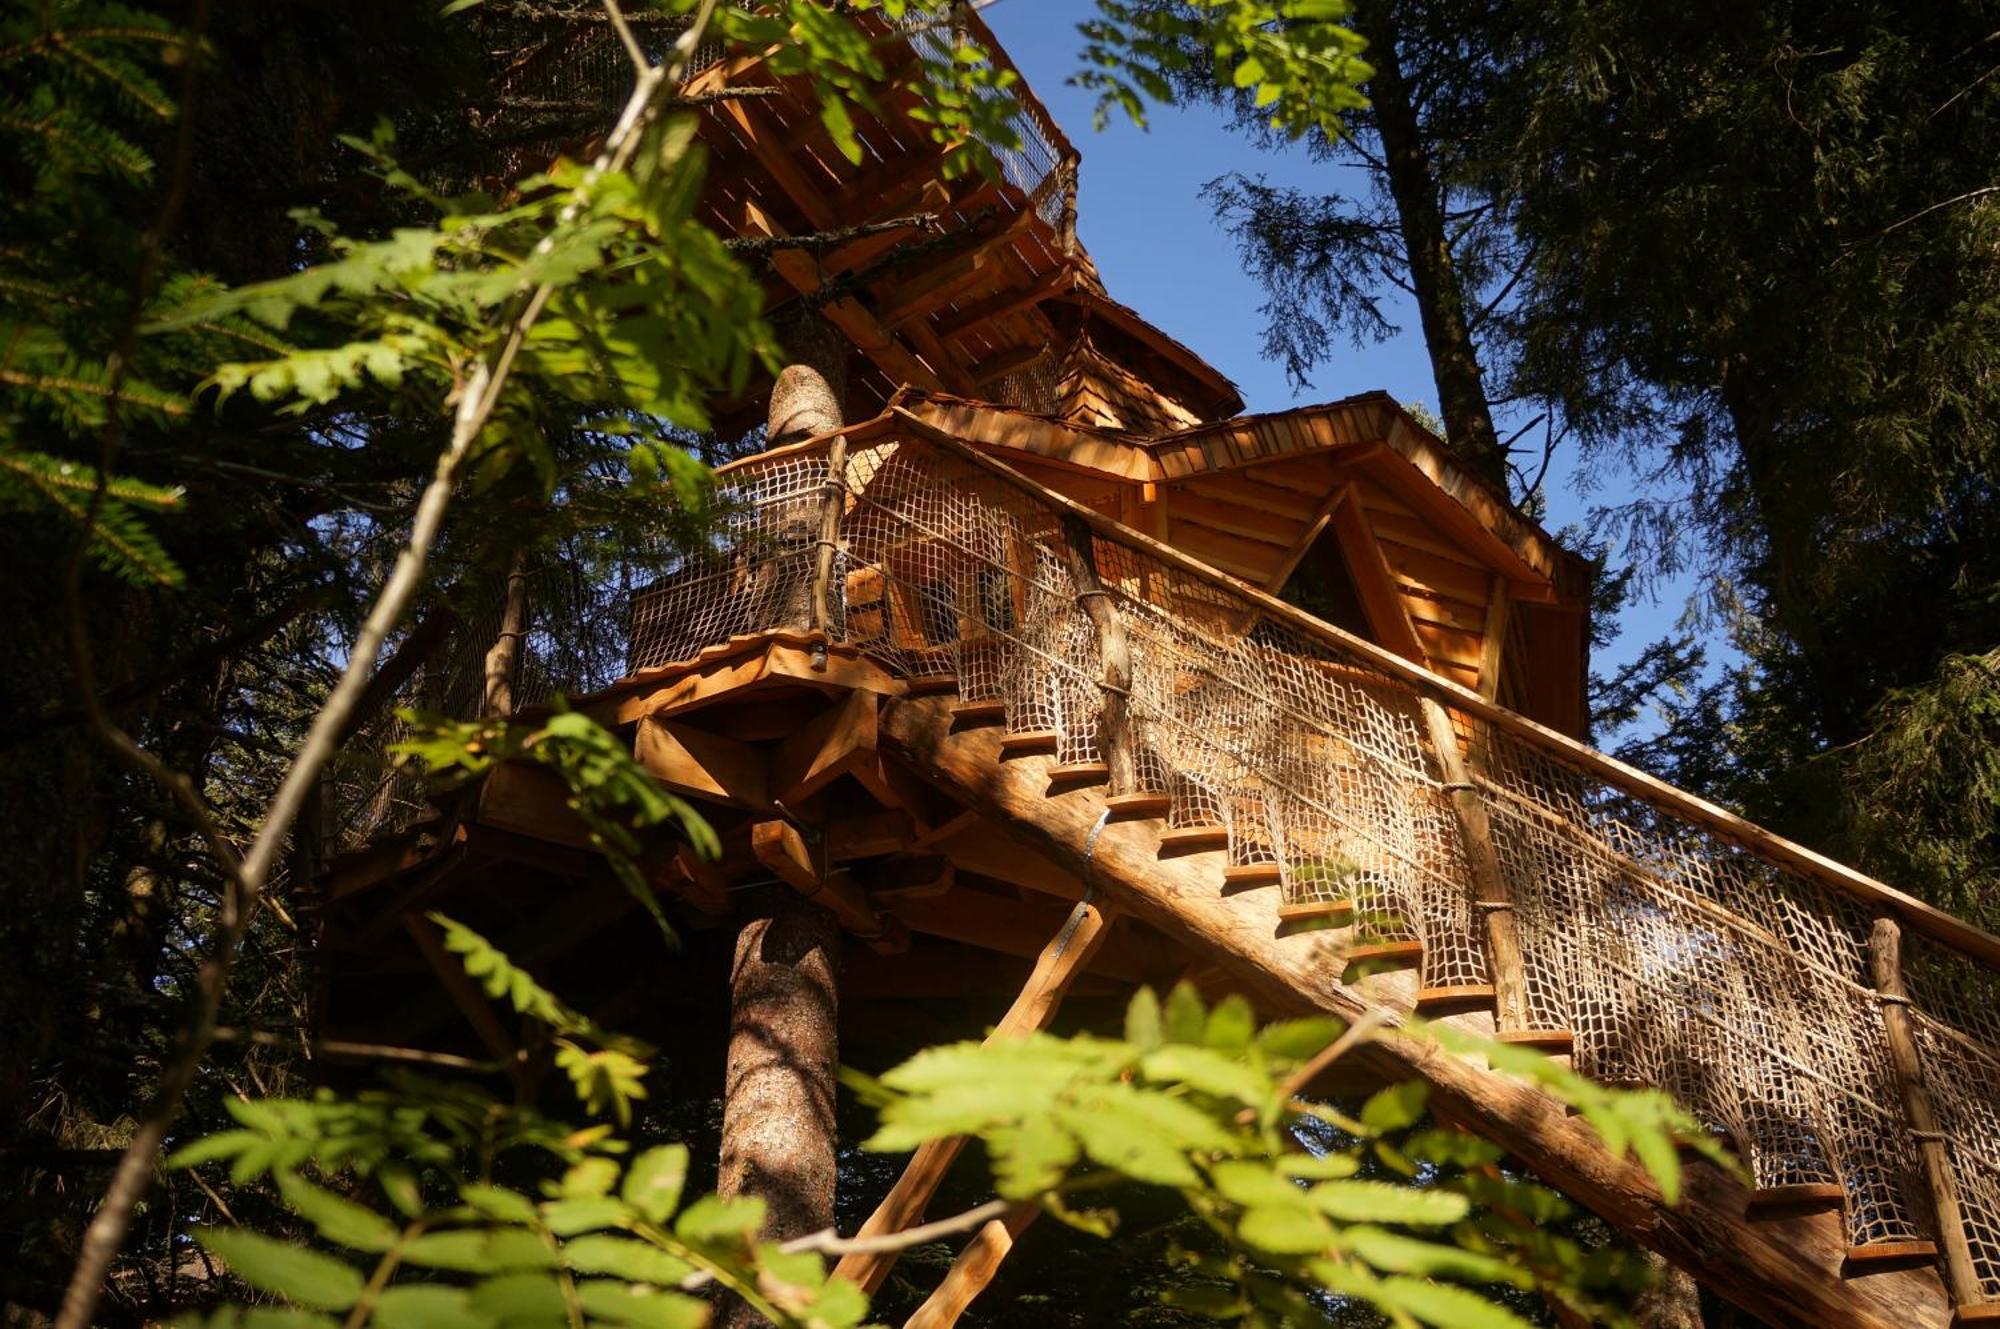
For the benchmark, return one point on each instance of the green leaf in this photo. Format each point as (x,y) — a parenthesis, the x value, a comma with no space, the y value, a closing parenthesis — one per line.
(1231,1024)
(641,1307)
(1142,1019)
(1298,1040)
(654,1180)
(1443,1305)
(712,1218)
(628,1258)
(1284,1230)
(1395,1108)
(499,1203)
(567,1218)
(1392,1252)
(520,1298)
(426,1306)
(339,1220)
(593,1176)
(1321,1167)
(479,1250)
(1184,1014)
(1656,1150)
(1030,1158)
(1209,1071)
(1381,1202)
(304,1277)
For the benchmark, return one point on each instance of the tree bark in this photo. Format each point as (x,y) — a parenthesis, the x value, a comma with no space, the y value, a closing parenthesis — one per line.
(778,1138)
(1418,196)
(1672,1302)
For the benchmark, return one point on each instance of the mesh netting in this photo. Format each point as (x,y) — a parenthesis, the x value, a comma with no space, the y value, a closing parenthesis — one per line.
(1677,958)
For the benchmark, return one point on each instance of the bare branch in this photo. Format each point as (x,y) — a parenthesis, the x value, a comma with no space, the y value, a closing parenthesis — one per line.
(817,241)
(829,1242)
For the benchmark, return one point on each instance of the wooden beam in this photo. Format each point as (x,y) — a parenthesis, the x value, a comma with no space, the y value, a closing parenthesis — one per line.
(1493,641)
(986,849)
(706,765)
(1010,361)
(1016,927)
(530,800)
(1885,966)
(780,848)
(776,161)
(1058,963)
(972,1272)
(836,742)
(1307,538)
(464,993)
(1009,301)
(1381,600)
(908,877)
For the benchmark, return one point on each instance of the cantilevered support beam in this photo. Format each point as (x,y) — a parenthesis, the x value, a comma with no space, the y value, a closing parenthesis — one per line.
(1083,932)
(779,847)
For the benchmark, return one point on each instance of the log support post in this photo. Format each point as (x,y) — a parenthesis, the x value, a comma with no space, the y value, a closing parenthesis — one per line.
(827,544)
(1114,726)
(1885,962)
(972,1272)
(503,658)
(1491,895)
(1080,938)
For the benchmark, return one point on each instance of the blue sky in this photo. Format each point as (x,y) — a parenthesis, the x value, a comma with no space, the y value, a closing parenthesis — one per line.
(1160,251)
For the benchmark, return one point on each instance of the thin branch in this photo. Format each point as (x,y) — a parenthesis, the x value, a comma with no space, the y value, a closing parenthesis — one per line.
(1920,213)
(477,400)
(1361,1031)
(758,245)
(725,95)
(829,1242)
(341,1047)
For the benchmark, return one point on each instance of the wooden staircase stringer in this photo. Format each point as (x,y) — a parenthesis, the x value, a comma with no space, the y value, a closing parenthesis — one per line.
(1789,1274)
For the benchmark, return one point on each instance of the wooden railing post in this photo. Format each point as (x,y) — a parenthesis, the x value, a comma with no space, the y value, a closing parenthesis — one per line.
(1114,653)
(1885,962)
(829,540)
(503,660)
(1491,894)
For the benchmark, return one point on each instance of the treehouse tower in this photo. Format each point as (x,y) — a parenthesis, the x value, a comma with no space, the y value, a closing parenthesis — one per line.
(1046,672)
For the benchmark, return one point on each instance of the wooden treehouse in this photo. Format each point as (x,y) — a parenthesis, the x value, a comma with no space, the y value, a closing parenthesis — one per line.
(1050,674)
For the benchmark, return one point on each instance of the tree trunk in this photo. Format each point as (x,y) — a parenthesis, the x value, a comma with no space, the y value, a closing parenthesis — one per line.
(778,1138)
(1672,1302)
(1418,196)
(778,1134)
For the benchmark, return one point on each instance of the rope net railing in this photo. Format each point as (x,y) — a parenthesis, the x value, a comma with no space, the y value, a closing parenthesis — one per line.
(1677,958)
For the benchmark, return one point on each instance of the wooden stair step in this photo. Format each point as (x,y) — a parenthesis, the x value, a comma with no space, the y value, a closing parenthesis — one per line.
(1193,839)
(1887,1255)
(1028,742)
(1798,1195)
(1138,807)
(1302,911)
(1079,774)
(1245,875)
(1456,998)
(931,685)
(1555,1042)
(1985,1312)
(1372,957)
(979,712)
